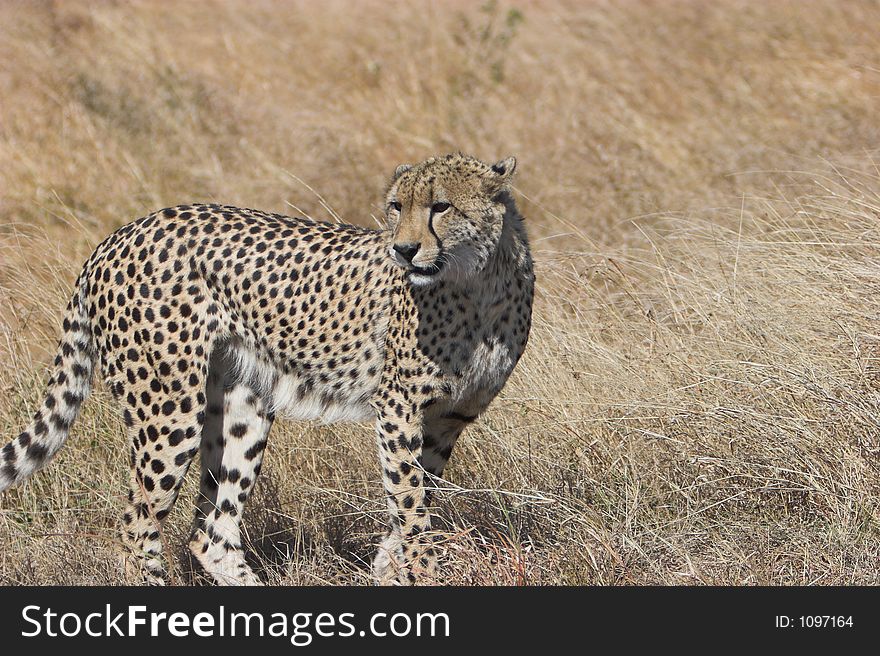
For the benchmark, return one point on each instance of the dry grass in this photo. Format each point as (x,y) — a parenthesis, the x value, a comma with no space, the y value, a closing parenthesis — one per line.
(700,399)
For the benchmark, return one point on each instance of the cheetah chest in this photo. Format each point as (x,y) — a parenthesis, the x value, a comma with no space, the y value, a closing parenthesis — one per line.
(477,349)
(484,374)
(476,364)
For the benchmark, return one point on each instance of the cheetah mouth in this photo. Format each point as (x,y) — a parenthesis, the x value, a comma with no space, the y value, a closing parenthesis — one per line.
(426,271)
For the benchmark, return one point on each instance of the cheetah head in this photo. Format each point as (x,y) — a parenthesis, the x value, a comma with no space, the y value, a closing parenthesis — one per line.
(446,216)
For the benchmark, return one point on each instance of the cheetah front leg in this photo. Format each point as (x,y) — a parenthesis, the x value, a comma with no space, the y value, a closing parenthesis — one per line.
(406,553)
(439,437)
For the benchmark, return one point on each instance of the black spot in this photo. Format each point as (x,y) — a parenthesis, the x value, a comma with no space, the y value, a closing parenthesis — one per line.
(254,451)
(9,453)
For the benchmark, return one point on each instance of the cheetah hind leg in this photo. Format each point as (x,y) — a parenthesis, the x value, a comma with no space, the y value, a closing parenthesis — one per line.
(162,448)
(233,439)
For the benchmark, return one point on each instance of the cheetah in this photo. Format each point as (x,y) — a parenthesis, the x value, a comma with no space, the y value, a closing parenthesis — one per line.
(207,321)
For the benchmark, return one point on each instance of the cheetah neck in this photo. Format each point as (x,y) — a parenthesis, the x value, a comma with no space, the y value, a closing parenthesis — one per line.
(510,262)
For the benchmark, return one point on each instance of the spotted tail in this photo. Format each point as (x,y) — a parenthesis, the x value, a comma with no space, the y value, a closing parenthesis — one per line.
(67,389)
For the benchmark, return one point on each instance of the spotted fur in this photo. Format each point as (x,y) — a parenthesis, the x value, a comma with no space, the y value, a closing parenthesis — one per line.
(208,321)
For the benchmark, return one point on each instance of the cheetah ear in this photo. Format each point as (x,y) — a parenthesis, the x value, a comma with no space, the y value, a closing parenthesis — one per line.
(400,170)
(500,175)
(505,168)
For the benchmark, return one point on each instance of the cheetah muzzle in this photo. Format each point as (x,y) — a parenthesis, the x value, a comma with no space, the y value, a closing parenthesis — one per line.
(207,322)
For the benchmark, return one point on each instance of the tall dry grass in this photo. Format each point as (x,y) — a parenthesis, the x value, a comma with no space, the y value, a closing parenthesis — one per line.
(699,401)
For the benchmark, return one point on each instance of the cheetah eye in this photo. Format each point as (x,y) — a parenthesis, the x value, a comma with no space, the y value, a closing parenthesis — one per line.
(439,208)
(395,205)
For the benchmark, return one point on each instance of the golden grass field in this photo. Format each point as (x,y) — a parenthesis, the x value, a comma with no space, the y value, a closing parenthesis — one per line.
(700,399)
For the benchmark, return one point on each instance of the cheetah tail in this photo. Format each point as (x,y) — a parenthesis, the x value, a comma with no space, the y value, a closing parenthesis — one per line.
(67,389)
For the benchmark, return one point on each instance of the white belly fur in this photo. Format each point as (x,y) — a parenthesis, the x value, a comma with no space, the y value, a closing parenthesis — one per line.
(282,395)
(353,406)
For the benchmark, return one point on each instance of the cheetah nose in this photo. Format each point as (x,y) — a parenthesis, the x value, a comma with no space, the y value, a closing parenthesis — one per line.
(407,251)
